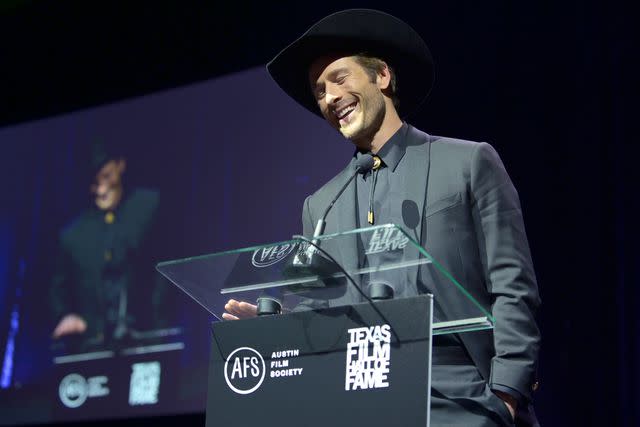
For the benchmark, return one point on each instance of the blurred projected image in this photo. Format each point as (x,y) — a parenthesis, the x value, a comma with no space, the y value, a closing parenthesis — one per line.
(89,329)
(100,291)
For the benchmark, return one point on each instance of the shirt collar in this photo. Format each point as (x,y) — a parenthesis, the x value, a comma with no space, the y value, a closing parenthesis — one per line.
(393,150)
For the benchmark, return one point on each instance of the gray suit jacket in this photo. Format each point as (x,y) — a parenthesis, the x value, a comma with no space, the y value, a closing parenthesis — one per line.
(471,224)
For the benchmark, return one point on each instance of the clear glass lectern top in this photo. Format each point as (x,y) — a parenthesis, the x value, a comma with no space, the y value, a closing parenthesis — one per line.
(329,271)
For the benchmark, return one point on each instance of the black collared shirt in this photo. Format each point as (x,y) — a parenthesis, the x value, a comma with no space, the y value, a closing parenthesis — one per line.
(385,201)
(388,191)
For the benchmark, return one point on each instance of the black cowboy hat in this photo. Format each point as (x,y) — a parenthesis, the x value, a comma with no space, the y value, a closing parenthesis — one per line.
(355,31)
(101,153)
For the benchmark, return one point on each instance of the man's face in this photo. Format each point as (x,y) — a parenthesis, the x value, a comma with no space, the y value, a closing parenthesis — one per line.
(348,98)
(107,186)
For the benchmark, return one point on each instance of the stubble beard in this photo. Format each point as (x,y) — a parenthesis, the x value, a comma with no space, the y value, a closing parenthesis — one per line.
(362,131)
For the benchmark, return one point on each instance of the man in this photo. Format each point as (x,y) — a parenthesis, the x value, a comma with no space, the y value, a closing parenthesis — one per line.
(103,279)
(364,71)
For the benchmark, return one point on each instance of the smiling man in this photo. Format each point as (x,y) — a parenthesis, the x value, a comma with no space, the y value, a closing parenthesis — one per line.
(365,72)
(350,92)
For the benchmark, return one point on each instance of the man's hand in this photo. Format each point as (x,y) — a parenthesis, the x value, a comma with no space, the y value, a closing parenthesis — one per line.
(510,401)
(70,324)
(236,310)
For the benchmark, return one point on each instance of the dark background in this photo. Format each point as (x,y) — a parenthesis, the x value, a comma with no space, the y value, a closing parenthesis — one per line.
(552,85)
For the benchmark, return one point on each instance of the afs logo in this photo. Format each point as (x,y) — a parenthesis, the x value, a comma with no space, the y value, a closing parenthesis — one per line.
(244,370)
(74,389)
(267,256)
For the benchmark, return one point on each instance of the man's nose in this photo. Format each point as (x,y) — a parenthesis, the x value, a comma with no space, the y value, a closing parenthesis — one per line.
(101,188)
(333,94)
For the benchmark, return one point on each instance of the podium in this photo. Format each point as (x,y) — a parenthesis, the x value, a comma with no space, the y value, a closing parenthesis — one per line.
(353,342)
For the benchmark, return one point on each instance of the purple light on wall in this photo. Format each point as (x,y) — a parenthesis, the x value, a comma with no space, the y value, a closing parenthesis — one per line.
(7,362)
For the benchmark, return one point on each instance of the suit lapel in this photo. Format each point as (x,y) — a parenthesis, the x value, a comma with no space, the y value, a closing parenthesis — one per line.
(415,181)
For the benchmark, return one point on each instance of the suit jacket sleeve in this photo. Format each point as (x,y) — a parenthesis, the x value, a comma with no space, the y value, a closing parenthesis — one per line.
(509,269)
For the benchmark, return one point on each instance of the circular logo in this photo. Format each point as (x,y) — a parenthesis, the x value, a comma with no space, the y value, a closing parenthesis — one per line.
(264,257)
(244,370)
(73,390)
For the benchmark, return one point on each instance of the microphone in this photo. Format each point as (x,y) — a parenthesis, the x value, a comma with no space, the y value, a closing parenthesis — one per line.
(307,262)
(363,165)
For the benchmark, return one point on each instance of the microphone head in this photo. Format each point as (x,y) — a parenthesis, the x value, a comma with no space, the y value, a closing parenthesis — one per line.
(364,163)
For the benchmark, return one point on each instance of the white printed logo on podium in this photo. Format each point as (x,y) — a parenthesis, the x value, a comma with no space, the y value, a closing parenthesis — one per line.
(368,358)
(244,370)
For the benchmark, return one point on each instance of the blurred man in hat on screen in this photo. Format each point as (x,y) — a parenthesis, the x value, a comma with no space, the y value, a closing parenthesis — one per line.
(104,286)
(365,72)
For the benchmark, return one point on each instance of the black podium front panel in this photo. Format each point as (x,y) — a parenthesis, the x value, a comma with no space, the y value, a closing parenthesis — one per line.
(345,366)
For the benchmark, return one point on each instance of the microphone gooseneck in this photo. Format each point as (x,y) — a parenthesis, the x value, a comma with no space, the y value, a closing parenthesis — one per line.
(362,165)
(269,304)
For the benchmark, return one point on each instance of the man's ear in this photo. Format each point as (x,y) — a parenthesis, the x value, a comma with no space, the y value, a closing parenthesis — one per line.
(122,164)
(383,77)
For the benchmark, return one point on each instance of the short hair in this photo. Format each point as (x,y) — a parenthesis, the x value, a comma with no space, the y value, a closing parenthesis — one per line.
(373,65)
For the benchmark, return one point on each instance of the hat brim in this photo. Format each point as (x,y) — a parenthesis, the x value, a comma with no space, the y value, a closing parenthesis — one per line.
(351,32)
